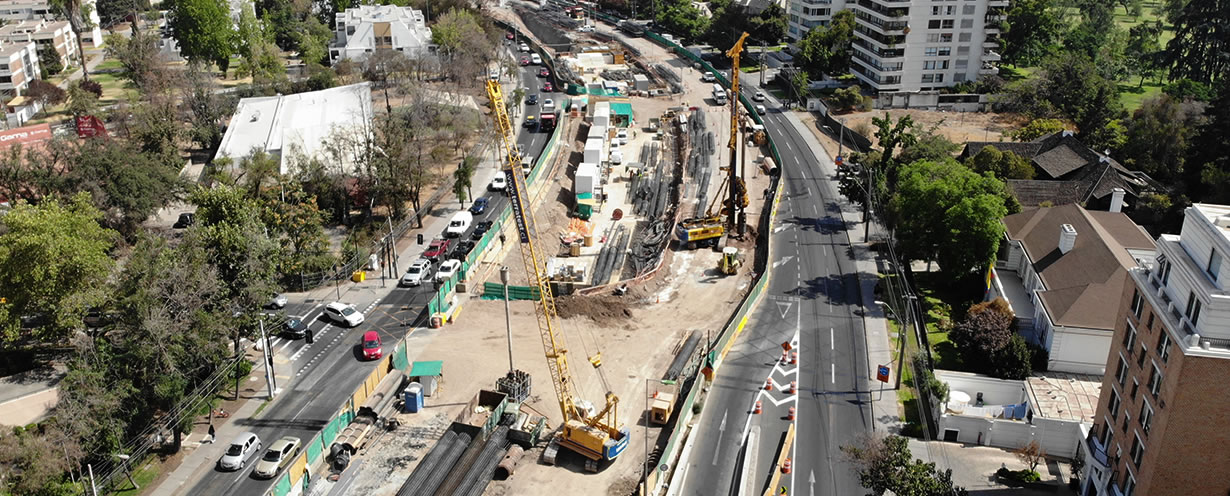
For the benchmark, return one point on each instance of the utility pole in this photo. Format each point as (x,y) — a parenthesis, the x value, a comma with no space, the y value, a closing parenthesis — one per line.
(270,380)
(507,317)
(867,206)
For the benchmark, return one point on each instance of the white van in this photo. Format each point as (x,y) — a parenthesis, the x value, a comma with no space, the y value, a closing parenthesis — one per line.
(458,225)
(719,94)
(535,59)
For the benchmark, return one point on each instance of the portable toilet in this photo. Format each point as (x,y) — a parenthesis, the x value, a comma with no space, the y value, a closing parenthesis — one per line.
(413,397)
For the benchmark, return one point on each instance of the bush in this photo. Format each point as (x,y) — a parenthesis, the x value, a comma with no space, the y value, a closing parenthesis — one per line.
(847,98)
(1018,477)
(925,380)
(1013,362)
(91,86)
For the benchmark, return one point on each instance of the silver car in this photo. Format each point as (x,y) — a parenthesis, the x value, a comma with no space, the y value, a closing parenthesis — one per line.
(242,449)
(277,458)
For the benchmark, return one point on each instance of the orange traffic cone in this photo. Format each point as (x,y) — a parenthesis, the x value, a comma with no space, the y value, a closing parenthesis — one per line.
(768,384)
(757,410)
(794,387)
(790,414)
(785,357)
(786,467)
(794,358)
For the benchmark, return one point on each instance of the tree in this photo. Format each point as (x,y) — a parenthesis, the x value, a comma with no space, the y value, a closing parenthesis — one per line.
(258,56)
(31,461)
(463,178)
(826,49)
(78,21)
(770,25)
(228,227)
(203,106)
(127,186)
(54,263)
(204,31)
(682,18)
(45,93)
(49,63)
(1037,128)
(1070,86)
(982,334)
(1159,135)
(1186,89)
(967,204)
(1014,361)
(883,464)
(138,55)
(81,101)
(112,12)
(1144,50)
(1031,454)
(298,223)
(928,145)
(1201,41)
(891,135)
(1034,28)
(1206,172)
(846,98)
(462,43)
(1001,164)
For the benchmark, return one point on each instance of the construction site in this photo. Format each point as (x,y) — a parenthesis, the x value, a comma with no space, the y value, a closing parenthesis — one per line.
(562,354)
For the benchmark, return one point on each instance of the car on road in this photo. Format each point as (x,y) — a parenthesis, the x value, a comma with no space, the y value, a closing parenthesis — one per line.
(279,455)
(371,346)
(530,121)
(278,301)
(447,269)
(294,328)
(525,61)
(588,28)
(759,97)
(509,36)
(418,271)
(760,109)
(547,87)
(185,220)
(480,229)
(344,313)
(241,450)
(532,100)
(437,249)
(479,206)
(535,59)
(544,72)
(523,47)
(462,250)
(498,183)
(708,77)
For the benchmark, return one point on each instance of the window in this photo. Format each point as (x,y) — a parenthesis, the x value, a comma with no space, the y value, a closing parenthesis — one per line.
(1165,272)
(962,63)
(939,78)
(958,78)
(1193,308)
(963,50)
(1140,360)
(965,38)
(933,24)
(945,51)
(1129,338)
(1214,264)
(1149,325)
(1163,346)
(1137,303)
(1135,387)
(1146,416)
(946,38)
(930,51)
(1121,373)
(946,24)
(1155,381)
(1138,450)
(967,10)
(1113,404)
(928,78)
(1129,485)
(933,38)
(967,24)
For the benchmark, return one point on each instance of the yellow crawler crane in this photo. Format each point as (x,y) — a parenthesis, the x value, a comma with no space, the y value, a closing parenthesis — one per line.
(596,436)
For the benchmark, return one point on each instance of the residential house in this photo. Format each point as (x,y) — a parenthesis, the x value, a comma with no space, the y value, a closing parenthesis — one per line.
(1062,269)
(364,29)
(906,46)
(1068,171)
(1159,420)
(34,10)
(55,34)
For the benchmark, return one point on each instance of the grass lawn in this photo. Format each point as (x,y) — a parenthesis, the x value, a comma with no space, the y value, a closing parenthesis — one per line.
(1150,12)
(945,300)
(143,477)
(1133,95)
(109,65)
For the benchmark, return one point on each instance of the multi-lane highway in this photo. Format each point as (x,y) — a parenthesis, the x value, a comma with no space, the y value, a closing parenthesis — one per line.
(316,378)
(813,303)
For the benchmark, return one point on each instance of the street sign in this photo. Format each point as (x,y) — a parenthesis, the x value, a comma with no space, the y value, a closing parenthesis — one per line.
(882,373)
(837,160)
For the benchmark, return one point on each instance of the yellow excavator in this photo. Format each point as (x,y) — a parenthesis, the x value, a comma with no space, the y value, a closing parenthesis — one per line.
(599,437)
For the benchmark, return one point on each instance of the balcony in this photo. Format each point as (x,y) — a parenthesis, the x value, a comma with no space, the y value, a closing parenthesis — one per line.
(887,13)
(877,24)
(997,3)
(988,70)
(881,53)
(1097,452)
(991,43)
(992,28)
(991,56)
(883,40)
(876,64)
(815,2)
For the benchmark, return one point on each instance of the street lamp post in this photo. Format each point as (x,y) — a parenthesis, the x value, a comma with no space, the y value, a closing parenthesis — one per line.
(901,339)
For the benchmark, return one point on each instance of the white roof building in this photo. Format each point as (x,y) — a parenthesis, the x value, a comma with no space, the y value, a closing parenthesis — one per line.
(286,125)
(364,29)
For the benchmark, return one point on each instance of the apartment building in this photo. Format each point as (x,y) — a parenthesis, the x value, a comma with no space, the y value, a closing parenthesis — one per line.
(29,10)
(364,29)
(18,66)
(913,45)
(56,34)
(1158,427)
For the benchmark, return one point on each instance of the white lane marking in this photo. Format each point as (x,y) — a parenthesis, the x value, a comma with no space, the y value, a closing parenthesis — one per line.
(833,373)
(832,343)
(788,147)
(796,162)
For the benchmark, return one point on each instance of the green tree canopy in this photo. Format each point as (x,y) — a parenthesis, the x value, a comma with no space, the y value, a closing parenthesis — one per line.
(1206,172)
(228,227)
(1034,28)
(258,56)
(884,464)
(826,49)
(126,185)
(1001,164)
(204,31)
(1159,136)
(1201,41)
(1070,86)
(54,263)
(1037,128)
(949,214)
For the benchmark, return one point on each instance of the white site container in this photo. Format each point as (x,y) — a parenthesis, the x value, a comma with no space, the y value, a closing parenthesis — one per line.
(593,151)
(586,178)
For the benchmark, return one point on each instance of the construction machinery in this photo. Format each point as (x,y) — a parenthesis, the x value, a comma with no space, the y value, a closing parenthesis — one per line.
(599,437)
(737,200)
(700,231)
(730,262)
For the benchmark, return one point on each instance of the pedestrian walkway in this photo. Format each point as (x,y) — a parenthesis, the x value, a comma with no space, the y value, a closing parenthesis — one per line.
(200,458)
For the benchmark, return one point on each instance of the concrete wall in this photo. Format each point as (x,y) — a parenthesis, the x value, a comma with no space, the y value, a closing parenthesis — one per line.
(931,100)
(1079,350)
(1058,437)
(995,391)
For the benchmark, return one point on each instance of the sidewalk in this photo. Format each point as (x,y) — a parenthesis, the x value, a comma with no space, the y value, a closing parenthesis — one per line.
(885,413)
(199,457)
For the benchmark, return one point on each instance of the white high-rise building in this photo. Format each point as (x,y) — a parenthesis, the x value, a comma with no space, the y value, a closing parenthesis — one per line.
(913,45)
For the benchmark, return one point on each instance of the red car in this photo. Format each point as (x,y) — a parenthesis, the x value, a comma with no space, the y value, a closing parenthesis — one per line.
(437,249)
(371,345)
(525,61)
(544,72)
(547,87)
(509,36)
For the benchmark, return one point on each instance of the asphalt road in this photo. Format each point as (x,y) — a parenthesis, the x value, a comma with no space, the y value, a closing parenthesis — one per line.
(326,370)
(812,302)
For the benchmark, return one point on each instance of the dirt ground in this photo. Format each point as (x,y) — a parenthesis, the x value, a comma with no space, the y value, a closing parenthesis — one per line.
(958,127)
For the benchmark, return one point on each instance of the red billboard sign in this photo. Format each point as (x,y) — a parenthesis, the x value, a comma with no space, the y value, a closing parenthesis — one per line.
(25,135)
(89,126)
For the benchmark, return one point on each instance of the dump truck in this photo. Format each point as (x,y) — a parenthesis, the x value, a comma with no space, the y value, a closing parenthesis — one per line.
(700,231)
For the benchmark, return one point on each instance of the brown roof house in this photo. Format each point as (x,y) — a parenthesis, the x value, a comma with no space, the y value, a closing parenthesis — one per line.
(1063,270)
(1066,171)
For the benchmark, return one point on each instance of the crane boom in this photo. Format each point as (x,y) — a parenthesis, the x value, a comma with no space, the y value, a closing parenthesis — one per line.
(597,436)
(737,196)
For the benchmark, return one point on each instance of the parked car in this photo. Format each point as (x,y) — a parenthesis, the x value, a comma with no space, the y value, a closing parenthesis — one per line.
(278,301)
(241,450)
(523,47)
(498,183)
(480,229)
(544,72)
(525,61)
(344,313)
(294,328)
(708,77)
(621,137)
(535,59)
(416,273)
(509,36)
(185,220)
(437,249)
(447,269)
(547,87)
(479,206)
(759,97)
(280,454)
(588,28)
(371,345)
(532,99)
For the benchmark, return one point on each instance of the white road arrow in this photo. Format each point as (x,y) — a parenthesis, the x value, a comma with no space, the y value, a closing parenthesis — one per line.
(811,483)
(782,261)
(721,430)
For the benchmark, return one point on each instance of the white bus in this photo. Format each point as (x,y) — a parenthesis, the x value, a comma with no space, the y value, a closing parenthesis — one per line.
(719,94)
